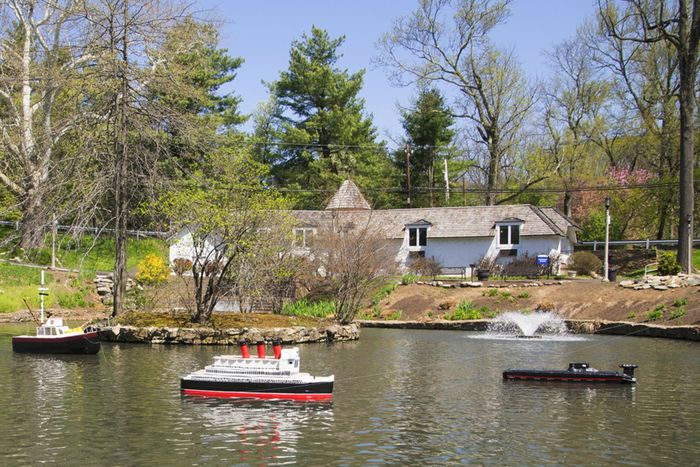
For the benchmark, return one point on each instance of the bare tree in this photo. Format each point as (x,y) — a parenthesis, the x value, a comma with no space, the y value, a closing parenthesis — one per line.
(227,216)
(130,73)
(647,84)
(675,22)
(353,256)
(573,101)
(446,42)
(42,56)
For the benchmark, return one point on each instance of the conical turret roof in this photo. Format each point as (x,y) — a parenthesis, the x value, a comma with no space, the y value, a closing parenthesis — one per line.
(348,198)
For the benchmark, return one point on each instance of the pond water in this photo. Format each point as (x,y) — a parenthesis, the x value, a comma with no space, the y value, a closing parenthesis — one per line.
(401,397)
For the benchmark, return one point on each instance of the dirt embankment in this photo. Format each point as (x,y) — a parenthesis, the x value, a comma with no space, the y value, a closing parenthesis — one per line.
(576,299)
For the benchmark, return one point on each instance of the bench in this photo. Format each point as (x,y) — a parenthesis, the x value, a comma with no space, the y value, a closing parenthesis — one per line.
(460,271)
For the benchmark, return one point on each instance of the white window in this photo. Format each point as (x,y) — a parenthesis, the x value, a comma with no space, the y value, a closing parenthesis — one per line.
(304,237)
(417,236)
(508,234)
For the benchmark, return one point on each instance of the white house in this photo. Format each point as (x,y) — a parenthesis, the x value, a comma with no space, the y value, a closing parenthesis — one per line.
(456,236)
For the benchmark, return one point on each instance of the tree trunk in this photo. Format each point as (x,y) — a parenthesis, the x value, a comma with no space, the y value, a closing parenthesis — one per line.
(568,198)
(687,162)
(121,200)
(32,225)
(688,33)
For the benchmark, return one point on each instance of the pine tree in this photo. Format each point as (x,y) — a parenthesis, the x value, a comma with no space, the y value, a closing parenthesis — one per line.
(318,125)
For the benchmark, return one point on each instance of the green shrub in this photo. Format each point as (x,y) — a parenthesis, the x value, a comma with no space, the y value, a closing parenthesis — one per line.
(656,314)
(584,262)
(678,313)
(680,302)
(466,310)
(409,278)
(394,316)
(668,264)
(320,309)
(72,300)
(523,295)
(632,315)
(490,293)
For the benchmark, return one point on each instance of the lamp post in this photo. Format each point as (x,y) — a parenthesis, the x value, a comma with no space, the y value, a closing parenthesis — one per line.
(606,263)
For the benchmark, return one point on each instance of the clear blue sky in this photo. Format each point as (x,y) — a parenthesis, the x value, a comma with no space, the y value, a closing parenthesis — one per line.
(262,31)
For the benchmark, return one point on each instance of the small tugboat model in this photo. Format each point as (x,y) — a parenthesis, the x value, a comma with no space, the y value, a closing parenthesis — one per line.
(55,338)
(576,373)
(260,377)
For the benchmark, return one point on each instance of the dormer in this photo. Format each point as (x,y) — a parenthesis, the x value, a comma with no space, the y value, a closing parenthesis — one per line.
(417,233)
(508,235)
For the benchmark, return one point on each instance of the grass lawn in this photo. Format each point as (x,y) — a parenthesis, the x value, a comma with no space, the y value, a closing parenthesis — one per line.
(70,291)
(88,253)
(19,283)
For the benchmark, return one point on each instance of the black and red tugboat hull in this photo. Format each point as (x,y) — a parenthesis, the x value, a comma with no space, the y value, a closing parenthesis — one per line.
(86,343)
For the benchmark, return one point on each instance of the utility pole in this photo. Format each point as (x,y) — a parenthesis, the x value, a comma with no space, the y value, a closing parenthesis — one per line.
(447,183)
(408,173)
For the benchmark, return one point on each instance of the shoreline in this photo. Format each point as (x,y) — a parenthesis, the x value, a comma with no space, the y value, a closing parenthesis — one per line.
(575,326)
(230,336)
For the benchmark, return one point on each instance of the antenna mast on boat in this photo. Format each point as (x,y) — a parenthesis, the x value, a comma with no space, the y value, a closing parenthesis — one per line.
(43,292)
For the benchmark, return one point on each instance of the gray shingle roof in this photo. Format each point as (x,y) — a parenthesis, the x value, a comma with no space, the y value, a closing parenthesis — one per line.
(348,198)
(450,222)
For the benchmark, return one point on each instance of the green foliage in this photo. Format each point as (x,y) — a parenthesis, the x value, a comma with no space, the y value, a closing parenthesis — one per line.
(428,125)
(668,264)
(678,312)
(97,254)
(490,293)
(584,262)
(632,315)
(152,270)
(409,278)
(396,315)
(319,309)
(680,302)
(318,123)
(656,314)
(466,310)
(12,275)
(523,295)
(20,282)
(41,256)
(384,292)
(72,300)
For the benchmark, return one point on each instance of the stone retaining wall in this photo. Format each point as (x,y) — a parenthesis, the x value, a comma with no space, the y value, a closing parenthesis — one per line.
(210,336)
(575,326)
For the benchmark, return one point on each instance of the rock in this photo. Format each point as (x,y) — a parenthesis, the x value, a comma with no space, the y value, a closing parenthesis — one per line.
(471,284)
(659,287)
(627,284)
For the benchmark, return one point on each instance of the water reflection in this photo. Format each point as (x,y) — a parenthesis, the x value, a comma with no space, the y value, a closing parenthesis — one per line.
(402,397)
(260,432)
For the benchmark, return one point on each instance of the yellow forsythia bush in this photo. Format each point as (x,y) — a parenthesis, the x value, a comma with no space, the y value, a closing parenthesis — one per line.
(152,270)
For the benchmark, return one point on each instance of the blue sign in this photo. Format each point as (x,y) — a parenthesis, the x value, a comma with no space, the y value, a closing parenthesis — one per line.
(542,260)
